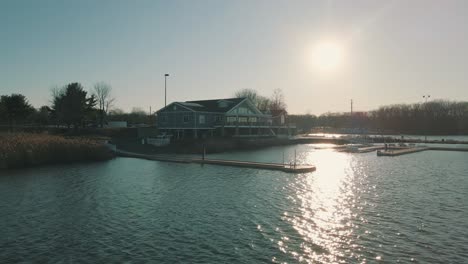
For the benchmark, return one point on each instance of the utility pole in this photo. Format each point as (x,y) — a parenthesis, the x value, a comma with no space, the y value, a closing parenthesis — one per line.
(165,88)
(351,117)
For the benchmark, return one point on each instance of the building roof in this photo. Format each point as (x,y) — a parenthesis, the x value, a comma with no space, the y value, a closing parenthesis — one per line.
(215,105)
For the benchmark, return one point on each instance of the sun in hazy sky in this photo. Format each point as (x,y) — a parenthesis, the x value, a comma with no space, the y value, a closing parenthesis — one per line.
(327,56)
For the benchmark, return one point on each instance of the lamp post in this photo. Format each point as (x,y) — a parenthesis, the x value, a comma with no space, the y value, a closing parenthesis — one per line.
(426,96)
(165,88)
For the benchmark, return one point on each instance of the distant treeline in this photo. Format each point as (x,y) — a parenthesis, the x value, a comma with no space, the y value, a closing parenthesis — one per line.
(435,117)
(71,107)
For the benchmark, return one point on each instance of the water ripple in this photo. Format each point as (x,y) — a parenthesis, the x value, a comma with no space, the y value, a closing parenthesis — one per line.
(354,208)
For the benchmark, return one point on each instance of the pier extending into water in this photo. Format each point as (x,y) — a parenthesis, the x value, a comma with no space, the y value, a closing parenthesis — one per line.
(400,151)
(391,152)
(292,168)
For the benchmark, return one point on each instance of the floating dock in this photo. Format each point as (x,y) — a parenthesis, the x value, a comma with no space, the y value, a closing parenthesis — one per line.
(257,165)
(391,152)
(359,149)
(232,163)
(400,151)
(370,149)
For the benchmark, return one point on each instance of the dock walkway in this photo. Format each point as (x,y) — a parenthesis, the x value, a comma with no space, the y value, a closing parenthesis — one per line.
(400,151)
(370,149)
(408,150)
(233,163)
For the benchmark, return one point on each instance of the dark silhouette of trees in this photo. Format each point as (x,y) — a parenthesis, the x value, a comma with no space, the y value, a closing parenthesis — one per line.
(102,92)
(72,106)
(41,116)
(435,117)
(276,103)
(303,122)
(14,108)
(261,102)
(247,93)
(135,117)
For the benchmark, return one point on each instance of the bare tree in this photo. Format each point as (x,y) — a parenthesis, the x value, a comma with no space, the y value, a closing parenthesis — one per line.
(103,93)
(261,102)
(277,101)
(247,93)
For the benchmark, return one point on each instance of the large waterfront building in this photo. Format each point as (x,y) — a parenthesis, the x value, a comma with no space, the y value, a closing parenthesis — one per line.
(231,117)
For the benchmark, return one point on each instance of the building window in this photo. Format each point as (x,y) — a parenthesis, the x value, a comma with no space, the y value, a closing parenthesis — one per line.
(201,119)
(253,119)
(231,119)
(186,118)
(218,118)
(243,119)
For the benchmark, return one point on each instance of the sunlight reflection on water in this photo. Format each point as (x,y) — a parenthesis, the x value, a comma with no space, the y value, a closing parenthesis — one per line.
(355,208)
(326,199)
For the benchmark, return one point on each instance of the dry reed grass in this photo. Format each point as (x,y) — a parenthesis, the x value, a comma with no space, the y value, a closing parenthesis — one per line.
(24,150)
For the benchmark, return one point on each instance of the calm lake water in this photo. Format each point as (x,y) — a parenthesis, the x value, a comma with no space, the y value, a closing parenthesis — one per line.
(354,208)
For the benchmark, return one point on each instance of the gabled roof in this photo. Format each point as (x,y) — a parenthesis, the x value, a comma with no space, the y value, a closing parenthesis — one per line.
(215,105)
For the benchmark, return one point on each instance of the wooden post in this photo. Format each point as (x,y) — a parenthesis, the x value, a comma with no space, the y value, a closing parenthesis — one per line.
(294,158)
(204,152)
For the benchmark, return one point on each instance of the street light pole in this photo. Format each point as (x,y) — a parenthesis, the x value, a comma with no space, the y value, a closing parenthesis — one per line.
(426,96)
(165,88)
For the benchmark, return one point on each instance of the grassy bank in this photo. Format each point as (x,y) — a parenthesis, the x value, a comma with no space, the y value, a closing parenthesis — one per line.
(25,150)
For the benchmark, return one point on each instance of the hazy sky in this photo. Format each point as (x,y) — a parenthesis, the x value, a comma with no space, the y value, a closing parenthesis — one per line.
(389,51)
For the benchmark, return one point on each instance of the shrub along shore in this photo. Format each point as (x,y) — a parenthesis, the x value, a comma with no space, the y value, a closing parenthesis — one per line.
(26,150)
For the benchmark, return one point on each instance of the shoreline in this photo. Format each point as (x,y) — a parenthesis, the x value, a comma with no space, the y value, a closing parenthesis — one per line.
(221,145)
(25,150)
(31,150)
(211,146)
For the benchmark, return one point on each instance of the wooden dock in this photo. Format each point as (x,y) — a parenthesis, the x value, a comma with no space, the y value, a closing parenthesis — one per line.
(233,163)
(400,151)
(408,150)
(370,149)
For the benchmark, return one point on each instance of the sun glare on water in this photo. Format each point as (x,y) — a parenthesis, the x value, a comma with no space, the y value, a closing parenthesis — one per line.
(327,56)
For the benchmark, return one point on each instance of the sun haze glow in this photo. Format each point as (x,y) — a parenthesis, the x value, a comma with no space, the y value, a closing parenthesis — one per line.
(327,56)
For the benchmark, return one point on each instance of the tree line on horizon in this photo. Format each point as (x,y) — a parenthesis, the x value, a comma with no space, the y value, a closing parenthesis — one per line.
(72,106)
(442,117)
(435,117)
